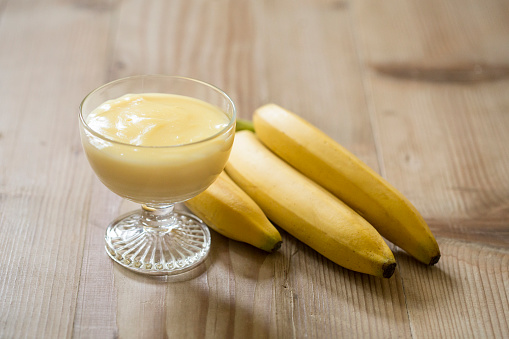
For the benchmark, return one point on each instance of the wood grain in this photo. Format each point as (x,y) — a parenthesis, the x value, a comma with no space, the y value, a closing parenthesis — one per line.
(310,49)
(44,195)
(418,90)
(446,120)
(440,122)
(96,309)
(466,296)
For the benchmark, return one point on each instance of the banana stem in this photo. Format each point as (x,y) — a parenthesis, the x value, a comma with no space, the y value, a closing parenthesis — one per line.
(244,124)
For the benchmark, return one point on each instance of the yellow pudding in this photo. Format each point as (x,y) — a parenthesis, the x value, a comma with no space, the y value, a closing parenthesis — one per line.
(157,148)
(155,119)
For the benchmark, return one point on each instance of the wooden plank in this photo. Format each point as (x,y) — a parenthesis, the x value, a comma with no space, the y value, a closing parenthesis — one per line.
(435,74)
(3,4)
(210,41)
(175,47)
(312,67)
(450,163)
(440,110)
(44,189)
(467,295)
(96,307)
(319,299)
(199,305)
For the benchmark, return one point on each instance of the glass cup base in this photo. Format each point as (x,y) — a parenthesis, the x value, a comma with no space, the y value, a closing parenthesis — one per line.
(177,249)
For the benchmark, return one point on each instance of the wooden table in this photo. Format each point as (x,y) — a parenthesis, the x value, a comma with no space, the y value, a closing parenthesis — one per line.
(419,90)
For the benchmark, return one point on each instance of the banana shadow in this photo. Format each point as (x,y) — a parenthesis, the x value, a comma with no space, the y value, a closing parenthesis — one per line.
(309,285)
(428,287)
(296,291)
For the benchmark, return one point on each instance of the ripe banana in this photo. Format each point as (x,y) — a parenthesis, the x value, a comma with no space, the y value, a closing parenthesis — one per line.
(306,210)
(326,162)
(228,210)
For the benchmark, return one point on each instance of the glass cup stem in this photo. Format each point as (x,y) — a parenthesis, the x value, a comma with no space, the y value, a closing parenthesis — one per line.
(158,218)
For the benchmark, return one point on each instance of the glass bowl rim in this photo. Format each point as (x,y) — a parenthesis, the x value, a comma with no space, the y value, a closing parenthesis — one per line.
(217,89)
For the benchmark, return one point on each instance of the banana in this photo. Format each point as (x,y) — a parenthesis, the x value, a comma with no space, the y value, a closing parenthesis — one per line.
(306,210)
(329,164)
(228,210)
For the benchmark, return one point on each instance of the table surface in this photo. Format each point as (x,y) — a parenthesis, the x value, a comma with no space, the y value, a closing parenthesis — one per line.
(419,90)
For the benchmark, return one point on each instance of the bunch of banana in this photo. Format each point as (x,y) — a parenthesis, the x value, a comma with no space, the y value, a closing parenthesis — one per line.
(228,210)
(327,163)
(309,185)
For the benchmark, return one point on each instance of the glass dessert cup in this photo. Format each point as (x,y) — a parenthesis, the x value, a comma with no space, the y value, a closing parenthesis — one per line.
(157,240)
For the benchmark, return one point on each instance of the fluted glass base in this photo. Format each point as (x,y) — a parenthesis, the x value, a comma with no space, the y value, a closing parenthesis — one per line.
(158,241)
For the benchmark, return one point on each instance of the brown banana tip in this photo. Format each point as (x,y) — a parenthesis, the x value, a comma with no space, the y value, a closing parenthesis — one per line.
(388,270)
(434,260)
(277,246)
